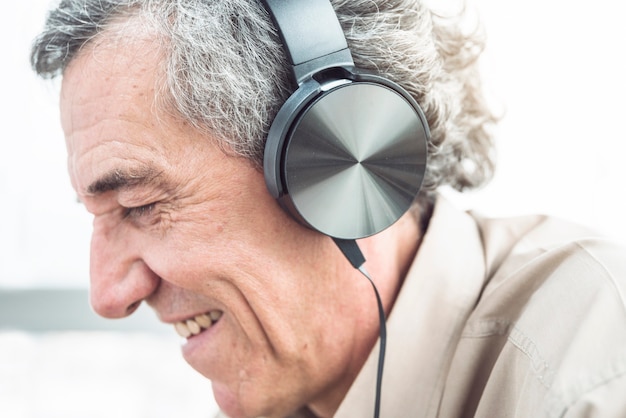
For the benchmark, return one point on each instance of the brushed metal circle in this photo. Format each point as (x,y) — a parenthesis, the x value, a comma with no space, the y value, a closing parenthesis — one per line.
(355,160)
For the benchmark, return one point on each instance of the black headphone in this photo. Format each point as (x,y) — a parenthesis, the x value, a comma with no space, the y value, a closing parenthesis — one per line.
(346,153)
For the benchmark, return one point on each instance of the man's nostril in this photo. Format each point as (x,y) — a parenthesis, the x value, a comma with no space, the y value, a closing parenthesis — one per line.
(132,307)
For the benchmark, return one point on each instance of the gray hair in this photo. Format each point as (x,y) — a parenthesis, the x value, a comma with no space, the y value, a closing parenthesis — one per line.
(227,74)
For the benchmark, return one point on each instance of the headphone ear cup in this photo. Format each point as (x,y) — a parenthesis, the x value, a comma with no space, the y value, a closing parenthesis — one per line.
(353,159)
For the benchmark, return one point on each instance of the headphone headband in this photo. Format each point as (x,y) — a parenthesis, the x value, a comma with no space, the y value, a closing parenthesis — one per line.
(296,21)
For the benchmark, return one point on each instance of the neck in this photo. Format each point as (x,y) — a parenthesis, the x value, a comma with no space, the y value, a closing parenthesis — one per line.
(389,256)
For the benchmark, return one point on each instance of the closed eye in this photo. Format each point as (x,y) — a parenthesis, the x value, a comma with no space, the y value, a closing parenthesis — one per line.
(139,211)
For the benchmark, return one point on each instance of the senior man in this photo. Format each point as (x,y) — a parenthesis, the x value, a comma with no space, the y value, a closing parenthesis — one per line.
(166,108)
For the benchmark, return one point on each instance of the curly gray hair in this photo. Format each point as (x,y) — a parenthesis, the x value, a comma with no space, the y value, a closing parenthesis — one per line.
(227,74)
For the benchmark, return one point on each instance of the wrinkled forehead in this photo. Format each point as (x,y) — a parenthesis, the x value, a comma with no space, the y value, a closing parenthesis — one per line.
(108,91)
(107,68)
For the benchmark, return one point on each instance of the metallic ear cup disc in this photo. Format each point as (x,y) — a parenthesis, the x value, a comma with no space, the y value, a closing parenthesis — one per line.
(355,160)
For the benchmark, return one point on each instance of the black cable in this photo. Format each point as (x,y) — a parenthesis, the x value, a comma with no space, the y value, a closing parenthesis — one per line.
(353,253)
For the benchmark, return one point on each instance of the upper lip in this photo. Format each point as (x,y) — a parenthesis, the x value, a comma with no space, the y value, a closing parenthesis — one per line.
(182,318)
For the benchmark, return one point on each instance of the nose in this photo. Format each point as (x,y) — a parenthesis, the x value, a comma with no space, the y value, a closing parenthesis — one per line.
(120,279)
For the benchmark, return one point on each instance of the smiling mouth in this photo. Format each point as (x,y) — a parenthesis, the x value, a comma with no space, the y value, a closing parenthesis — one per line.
(197,324)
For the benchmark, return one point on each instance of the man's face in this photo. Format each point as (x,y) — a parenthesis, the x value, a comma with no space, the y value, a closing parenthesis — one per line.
(195,234)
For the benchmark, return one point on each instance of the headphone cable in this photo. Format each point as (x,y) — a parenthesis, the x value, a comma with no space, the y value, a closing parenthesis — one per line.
(353,253)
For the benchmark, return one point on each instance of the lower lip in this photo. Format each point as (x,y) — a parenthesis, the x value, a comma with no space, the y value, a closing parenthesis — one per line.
(200,344)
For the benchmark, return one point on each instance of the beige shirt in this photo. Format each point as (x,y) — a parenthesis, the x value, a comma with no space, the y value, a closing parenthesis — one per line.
(520,317)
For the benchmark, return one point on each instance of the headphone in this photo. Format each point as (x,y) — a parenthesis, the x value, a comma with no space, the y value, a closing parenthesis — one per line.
(346,153)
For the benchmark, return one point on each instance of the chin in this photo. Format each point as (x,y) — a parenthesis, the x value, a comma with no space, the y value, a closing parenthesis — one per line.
(228,402)
(233,406)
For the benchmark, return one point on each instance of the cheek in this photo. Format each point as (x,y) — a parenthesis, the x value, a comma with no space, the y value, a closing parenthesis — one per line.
(201,245)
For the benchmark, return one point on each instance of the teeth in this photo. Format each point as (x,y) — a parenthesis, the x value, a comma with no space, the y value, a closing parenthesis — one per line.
(193,326)
(203,320)
(196,325)
(182,329)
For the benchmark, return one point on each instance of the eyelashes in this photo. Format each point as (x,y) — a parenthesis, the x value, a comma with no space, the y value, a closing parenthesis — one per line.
(139,212)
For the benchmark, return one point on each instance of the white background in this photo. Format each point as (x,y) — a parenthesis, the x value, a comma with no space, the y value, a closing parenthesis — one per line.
(556,66)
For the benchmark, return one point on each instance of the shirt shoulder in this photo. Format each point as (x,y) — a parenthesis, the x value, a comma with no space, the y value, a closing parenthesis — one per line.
(550,325)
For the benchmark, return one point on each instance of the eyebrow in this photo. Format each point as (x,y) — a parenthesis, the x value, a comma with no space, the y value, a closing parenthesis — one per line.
(123,179)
